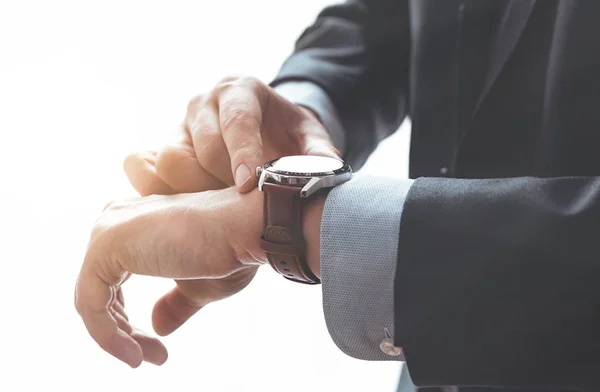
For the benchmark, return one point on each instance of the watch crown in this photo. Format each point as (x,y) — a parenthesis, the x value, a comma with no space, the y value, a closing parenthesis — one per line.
(258,171)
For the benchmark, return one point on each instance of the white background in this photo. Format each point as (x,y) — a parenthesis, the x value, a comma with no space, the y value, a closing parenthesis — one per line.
(84,83)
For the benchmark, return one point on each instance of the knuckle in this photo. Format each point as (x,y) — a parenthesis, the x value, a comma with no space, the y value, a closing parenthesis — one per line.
(251,81)
(195,102)
(131,165)
(238,116)
(226,83)
(168,156)
(240,81)
(110,218)
(229,79)
(202,123)
(130,160)
(168,160)
(81,307)
(98,230)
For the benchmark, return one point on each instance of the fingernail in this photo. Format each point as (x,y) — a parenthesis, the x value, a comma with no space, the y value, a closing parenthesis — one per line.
(242,174)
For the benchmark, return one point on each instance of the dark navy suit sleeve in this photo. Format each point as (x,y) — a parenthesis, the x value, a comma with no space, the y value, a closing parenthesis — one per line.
(497,282)
(358,53)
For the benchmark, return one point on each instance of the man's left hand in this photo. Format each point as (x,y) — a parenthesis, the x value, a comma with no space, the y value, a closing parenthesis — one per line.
(210,237)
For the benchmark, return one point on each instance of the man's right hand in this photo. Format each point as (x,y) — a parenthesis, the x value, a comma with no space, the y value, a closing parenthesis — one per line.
(239,125)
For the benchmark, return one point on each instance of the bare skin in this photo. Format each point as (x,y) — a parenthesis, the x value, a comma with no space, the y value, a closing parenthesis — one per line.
(200,233)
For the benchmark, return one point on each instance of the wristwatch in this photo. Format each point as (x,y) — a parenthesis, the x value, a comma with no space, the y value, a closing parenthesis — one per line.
(288,183)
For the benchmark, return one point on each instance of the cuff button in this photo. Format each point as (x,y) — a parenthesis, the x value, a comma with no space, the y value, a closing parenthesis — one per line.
(388,348)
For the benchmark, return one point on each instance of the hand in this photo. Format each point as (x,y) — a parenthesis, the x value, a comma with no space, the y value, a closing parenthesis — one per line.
(210,236)
(228,132)
(189,295)
(218,125)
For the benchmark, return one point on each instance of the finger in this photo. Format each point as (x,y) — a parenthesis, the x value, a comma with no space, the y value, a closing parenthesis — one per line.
(177,165)
(240,117)
(172,310)
(205,131)
(319,146)
(119,296)
(154,351)
(93,296)
(315,140)
(122,321)
(152,348)
(140,169)
(120,309)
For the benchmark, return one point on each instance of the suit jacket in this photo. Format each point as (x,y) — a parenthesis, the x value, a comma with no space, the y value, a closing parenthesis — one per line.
(498,270)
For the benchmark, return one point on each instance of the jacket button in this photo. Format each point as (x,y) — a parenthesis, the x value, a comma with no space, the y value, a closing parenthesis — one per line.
(444,170)
(388,348)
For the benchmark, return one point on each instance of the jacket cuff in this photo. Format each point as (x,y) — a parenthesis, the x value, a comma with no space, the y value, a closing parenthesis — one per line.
(359,250)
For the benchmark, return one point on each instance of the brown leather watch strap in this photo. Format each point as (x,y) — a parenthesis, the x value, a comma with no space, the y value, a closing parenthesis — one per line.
(282,239)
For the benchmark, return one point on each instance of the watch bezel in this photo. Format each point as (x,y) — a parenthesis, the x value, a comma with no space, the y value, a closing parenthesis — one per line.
(307,182)
(269,167)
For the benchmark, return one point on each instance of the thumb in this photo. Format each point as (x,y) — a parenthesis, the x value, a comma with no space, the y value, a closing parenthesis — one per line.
(315,139)
(322,149)
(318,142)
(172,311)
(140,169)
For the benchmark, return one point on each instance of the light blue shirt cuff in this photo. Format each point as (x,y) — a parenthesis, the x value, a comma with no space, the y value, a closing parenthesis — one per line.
(359,248)
(313,97)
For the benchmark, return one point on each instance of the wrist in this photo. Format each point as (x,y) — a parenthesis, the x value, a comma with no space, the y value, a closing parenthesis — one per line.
(245,226)
(311,227)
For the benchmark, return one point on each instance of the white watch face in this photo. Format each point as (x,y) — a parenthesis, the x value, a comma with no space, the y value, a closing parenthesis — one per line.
(307,164)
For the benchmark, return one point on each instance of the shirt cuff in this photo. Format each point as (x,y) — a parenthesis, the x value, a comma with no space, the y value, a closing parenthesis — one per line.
(313,97)
(359,249)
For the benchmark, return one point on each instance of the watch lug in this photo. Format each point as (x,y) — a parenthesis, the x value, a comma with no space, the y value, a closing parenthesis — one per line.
(311,187)
(262,177)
